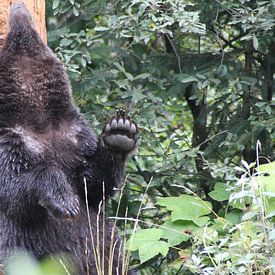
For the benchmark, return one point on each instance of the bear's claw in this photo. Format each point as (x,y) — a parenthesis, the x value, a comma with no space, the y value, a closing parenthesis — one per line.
(120,134)
(68,208)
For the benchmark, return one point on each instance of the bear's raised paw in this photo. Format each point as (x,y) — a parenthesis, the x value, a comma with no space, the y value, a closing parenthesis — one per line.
(120,134)
(62,207)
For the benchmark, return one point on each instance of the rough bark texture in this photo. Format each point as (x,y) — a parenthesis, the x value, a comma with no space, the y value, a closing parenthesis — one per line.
(37,9)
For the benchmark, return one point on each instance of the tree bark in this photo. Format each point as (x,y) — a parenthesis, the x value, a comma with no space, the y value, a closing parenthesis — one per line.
(37,9)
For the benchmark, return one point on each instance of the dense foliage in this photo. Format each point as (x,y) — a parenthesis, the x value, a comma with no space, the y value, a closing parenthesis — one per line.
(198,77)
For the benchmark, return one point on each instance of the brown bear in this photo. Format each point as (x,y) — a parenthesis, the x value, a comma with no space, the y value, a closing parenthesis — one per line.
(51,162)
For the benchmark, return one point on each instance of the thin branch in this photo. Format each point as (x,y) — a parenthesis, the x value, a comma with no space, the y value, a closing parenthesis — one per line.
(227,42)
(174,50)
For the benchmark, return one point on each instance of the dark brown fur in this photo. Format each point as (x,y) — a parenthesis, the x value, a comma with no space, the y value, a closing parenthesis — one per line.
(47,152)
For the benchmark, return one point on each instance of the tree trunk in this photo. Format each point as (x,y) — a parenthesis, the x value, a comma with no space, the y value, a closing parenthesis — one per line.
(37,9)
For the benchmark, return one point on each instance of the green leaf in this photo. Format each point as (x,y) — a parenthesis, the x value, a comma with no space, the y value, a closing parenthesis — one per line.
(147,243)
(255,42)
(272,261)
(178,232)
(249,215)
(75,11)
(151,249)
(188,78)
(137,95)
(101,28)
(143,236)
(21,263)
(272,235)
(234,216)
(267,168)
(83,62)
(55,4)
(187,208)
(66,42)
(222,70)
(142,76)
(238,203)
(54,266)
(266,179)
(248,80)
(219,193)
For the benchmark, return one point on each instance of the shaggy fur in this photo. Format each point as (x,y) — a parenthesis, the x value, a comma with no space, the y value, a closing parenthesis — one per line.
(47,150)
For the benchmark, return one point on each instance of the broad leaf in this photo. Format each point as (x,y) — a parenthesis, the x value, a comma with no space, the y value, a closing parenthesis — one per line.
(178,232)
(187,208)
(151,249)
(267,180)
(219,193)
(234,216)
(272,235)
(143,236)
(147,243)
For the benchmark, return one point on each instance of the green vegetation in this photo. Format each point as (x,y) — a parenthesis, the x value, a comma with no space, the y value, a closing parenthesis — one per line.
(198,78)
